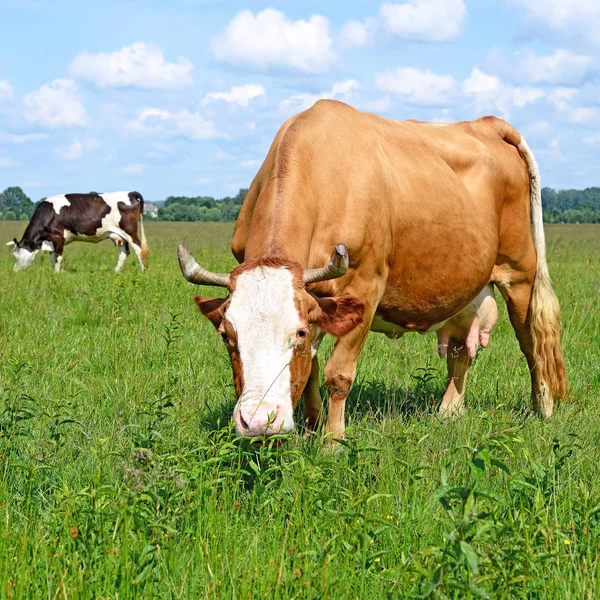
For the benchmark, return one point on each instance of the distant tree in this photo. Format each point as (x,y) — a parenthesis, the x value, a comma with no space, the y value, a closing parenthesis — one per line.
(9,215)
(14,199)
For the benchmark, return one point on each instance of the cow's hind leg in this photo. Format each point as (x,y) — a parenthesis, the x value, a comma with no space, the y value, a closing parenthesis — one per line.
(122,256)
(534,314)
(135,243)
(459,363)
(57,256)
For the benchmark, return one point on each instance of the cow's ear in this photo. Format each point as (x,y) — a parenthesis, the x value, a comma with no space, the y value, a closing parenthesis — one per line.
(337,316)
(211,309)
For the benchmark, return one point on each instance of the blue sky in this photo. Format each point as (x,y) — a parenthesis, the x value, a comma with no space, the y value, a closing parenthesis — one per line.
(185,96)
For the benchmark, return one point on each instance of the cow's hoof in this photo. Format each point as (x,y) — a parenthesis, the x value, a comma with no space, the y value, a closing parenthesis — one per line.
(452,410)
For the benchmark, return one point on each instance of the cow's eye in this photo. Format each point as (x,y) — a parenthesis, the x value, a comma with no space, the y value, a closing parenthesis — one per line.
(301,333)
(225,338)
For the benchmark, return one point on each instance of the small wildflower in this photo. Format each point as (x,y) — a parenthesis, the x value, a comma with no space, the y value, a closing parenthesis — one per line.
(377,559)
(390,518)
(567,542)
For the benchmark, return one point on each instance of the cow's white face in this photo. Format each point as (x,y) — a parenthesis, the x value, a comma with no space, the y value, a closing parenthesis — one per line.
(23,258)
(265,320)
(267,324)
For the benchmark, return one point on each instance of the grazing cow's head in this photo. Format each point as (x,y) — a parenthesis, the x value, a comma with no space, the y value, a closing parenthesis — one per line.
(23,254)
(268,323)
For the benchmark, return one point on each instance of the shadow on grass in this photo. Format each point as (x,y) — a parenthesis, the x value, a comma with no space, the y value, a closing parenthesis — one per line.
(371,398)
(378,400)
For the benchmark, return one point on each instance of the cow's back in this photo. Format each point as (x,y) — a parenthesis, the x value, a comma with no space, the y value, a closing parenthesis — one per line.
(419,202)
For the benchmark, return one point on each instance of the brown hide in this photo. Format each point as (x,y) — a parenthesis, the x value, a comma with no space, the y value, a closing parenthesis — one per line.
(419,206)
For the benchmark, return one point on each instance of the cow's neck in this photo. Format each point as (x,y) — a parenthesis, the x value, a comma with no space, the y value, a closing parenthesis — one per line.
(282,226)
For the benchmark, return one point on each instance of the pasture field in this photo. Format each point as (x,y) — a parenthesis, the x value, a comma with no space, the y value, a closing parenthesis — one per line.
(120,476)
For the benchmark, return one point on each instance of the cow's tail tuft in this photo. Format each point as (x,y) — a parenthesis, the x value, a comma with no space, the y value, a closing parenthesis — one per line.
(544,312)
(140,199)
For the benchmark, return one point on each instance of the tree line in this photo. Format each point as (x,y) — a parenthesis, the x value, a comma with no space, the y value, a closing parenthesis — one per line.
(201,208)
(560,206)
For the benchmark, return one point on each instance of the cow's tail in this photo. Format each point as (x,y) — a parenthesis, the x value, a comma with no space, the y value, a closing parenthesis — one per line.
(544,312)
(140,199)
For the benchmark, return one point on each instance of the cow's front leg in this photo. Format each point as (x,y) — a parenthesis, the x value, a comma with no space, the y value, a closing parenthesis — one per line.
(340,372)
(312,397)
(56,256)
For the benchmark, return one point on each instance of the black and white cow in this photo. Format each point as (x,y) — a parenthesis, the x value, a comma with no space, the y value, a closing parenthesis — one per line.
(60,220)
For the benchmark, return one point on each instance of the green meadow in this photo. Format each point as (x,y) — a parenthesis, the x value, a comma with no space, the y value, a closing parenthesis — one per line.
(121,476)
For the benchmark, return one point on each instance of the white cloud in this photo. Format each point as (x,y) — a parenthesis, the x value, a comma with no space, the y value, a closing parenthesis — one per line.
(56,104)
(270,40)
(481,84)
(574,18)
(72,151)
(561,68)
(584,115)
(204,180)
(12,138)
(76,149)
(251,126)
(139,65)
(340,90)
(561,96)
(240,95)
(537,128)
(526,95)
(222,155)
(417,86)
(7,162)
(593,140)
(424,20)
(357,34)
(133,169)
(381,105)
(487,92)
(247,164)
(6,91)
(158,121)
(577,115)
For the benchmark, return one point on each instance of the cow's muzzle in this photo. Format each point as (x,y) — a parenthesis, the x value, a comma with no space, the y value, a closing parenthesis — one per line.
(263,419)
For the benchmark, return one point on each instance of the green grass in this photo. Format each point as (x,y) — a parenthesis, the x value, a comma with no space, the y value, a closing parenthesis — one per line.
(120,476)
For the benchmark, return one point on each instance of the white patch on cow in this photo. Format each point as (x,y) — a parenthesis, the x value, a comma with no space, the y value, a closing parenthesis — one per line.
(23,258)
(265,318)
(47,246)
(58,202)
(109,226)
(58,263)
(122,257)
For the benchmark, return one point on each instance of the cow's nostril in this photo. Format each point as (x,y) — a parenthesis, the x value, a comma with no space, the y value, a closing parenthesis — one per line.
(243,421)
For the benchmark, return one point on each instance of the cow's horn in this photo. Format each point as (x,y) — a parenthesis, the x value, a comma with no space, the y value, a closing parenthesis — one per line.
(194,273)
(336,268)
(11,243)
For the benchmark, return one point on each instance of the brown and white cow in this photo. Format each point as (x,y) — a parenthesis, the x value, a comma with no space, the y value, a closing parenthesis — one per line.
(433,216)
(63,219)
